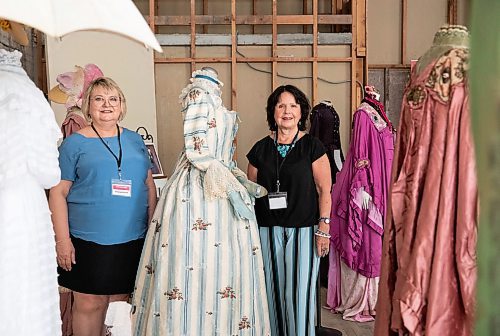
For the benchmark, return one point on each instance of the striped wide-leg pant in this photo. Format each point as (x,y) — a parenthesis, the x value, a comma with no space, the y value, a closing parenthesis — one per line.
(291,266)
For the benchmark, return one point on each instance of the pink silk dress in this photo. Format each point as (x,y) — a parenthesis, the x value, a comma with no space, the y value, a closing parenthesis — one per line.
(356,242)
(427,284)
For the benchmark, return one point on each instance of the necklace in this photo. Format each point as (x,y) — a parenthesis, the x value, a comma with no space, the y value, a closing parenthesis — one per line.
(283,149)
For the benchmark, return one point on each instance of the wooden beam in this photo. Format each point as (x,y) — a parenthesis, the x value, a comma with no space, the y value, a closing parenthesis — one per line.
(340,6)
(354,57)
(274,66)
(254,12)
(234,105)
(193,35)
(361,40)
(315,53)
(389,66)
(304,12)
(361,28)
(333,11)
(205,12)
(150,21)
(174,20)
(404,29)
(339,9)
(254,59)
(452,17)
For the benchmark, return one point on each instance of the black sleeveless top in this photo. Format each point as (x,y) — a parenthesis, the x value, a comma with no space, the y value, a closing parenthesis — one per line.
(296,178)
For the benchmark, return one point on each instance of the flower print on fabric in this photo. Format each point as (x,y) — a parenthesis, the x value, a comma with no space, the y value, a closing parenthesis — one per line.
(200,225)
(175,294)
(198,142)
(227,293)
(212,123)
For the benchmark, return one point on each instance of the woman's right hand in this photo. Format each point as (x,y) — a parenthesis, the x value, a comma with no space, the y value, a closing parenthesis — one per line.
(65,254)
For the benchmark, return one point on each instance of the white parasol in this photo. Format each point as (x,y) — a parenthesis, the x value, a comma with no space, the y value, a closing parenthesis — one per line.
(60,17)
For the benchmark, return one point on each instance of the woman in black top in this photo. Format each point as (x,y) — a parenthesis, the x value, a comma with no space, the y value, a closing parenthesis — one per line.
(294,218)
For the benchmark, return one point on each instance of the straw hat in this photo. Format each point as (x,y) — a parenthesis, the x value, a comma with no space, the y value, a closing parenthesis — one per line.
(16,30)
(72,85)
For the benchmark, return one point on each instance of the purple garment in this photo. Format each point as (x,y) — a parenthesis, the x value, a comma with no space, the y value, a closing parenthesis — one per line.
(357,233)
(325,125)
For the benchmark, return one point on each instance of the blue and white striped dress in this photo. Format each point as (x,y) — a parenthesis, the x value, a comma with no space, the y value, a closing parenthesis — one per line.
(201,271)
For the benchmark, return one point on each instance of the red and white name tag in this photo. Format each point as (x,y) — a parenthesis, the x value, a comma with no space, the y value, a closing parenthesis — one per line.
(122,188)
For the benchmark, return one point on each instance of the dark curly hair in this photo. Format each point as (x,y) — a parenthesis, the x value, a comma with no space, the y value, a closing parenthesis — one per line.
(300,98)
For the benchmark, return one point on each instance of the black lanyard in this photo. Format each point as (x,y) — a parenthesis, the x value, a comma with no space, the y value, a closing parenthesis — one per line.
(279,166)
(117,158)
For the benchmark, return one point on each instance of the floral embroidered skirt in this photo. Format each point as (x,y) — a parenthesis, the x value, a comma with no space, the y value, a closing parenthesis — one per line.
(201,270)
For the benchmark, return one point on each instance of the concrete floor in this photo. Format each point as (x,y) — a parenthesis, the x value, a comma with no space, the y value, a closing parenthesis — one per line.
(335,321)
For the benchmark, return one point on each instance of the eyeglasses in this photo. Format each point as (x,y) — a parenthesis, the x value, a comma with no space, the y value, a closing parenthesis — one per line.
(112,101)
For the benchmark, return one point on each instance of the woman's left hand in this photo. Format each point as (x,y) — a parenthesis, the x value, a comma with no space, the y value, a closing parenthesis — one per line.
(323,243)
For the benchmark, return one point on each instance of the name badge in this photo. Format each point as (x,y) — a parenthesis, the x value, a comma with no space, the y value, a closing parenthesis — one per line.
(277,200)
(122,188)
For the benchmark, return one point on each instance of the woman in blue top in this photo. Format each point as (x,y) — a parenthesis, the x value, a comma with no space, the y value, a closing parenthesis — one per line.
(101,207)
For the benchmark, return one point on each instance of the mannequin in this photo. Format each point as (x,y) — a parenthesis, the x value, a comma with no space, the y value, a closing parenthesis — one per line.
(372,97)
(201,269)
(429,270)
(359,199)
(448,37)
(28,165)
(325,125)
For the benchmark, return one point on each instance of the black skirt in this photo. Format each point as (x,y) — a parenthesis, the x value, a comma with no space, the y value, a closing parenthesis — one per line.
(102,269)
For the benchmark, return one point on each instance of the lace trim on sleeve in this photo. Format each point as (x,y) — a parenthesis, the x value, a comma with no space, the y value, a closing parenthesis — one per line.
(219,181)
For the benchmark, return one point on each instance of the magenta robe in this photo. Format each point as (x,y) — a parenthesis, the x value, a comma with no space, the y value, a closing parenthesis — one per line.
(356,233)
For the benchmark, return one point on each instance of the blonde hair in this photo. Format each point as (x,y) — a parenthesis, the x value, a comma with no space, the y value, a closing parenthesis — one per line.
(108,84)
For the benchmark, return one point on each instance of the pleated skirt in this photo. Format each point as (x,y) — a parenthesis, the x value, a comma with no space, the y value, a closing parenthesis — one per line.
(291,266)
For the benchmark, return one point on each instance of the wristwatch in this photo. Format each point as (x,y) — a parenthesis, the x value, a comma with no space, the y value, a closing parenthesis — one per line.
(324,219)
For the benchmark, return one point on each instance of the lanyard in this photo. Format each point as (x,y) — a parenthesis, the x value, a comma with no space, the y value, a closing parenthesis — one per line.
(279,166)
(117,158)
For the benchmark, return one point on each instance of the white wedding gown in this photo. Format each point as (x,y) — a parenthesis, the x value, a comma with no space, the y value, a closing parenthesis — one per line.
(28,165)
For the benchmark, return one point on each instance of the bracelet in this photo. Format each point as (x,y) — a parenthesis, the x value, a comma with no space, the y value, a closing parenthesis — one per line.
(323,234)
(325,220)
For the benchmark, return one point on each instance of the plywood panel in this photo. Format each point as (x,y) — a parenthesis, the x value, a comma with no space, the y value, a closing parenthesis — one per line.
(252,98)
(384,31)
(168,112)
(338,94)
(420,34)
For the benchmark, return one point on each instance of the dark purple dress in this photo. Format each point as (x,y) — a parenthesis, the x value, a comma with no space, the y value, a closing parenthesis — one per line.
(325,125)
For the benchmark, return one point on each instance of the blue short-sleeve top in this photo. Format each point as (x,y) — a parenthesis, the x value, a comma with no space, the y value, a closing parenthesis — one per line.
(94,214)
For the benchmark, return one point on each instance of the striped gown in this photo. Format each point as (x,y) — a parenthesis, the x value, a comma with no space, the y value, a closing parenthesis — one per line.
(201,271)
